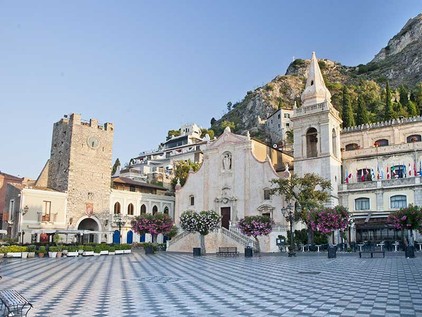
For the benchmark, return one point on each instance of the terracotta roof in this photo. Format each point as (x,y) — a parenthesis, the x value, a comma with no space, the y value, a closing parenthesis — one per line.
(129,181)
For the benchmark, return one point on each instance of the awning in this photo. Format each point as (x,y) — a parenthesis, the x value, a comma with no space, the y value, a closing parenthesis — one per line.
(371,223)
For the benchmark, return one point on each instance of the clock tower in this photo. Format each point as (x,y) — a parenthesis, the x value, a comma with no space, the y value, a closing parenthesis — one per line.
(80,164)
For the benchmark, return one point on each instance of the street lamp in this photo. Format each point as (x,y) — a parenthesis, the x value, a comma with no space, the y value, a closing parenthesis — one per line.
(120,222)
(288,213)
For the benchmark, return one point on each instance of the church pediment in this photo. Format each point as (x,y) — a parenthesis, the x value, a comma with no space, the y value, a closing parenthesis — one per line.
(231,138)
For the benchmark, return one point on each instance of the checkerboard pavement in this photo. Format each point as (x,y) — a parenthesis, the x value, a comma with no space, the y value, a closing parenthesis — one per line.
(168,284)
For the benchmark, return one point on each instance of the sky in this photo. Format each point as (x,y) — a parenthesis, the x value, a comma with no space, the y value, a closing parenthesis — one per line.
(152,66)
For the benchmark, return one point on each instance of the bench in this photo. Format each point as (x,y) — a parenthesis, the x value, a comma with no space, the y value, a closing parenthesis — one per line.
(13,303)
(372,253)
(232,251)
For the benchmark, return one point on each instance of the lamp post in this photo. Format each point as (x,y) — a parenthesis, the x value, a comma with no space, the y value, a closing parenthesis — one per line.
(288,213)
(23,212)
(120,222)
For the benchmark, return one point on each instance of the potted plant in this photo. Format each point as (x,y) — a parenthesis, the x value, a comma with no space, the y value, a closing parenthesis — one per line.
(97,250)
(111,250)
(14,251)
(103,249)
(24,251)
(88,250)
(31,251)
(41,251)
(72,251)
(127,248)
(2,251)
(149,248)
(52,252)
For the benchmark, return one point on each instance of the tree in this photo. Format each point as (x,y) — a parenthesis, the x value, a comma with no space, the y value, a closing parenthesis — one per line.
(213,121)
(409,218)
(207,131)
(116,165)
(256,226)
(181,171)
(347,110)
(173,133)
(362,116)
(388,111)
(203,223)
(310,191)
(229,106)
(152,224)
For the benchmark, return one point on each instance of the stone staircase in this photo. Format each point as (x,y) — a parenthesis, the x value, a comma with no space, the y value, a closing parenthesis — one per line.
(239,238)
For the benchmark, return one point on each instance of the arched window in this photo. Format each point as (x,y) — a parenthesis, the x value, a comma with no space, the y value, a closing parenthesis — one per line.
(398,201)
(130,210)
(311,142)
(166,210)
(414,138)
(381,142)
(227,161)
(334,142)
(352,147)
(154,210)
(117,208)
(143,209)
(362,204)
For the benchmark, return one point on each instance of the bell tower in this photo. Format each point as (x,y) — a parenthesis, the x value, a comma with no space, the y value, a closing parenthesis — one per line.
(316,130)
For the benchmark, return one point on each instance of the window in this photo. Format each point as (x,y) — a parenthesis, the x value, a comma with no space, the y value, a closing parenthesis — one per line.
(166,210)
(398,201)
(117,208)
(362,204)
(413,138)
(267,194)
(46,212)
(143,209)
(132,188)
(382,142)
(311,142)
(154,210)
(352,147)
(334,142)
(130,210)
(90,196)
(192,200)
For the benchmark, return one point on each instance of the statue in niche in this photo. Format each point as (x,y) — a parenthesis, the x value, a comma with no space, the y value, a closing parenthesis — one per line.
(227,161)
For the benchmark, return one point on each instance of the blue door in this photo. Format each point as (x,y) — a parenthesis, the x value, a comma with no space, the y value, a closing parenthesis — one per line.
(129,237)
(142,238)
(116,237)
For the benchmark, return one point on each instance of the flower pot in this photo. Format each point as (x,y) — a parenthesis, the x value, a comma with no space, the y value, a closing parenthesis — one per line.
(119,251)
(31,254)
(52,254)
(59,254)
(127,251)
(73,254)
(103,252)
(14,254)
(88,253)
(149,249)
(41,255)
(24,255)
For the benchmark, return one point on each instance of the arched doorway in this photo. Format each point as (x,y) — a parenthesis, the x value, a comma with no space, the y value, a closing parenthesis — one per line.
(116,237)
(129,237)
(90,225)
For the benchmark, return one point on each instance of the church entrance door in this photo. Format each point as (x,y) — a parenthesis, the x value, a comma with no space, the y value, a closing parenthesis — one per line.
(225,217)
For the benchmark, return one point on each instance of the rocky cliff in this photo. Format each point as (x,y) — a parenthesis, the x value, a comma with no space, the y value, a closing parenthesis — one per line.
(399,63)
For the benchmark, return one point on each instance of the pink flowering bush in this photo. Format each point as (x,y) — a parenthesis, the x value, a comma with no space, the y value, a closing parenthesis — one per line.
(256,225)
(152,224)
(406,218)
(329,219)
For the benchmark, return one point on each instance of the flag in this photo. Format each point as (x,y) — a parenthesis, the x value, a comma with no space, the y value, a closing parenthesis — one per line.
(414,168)
(373,174)
(410,170)
(346,178)
(388,173)
(393,172)
(378,172)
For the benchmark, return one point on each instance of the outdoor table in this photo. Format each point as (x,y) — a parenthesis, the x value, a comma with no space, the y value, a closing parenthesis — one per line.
(380,245)
(360,246)
(396,244)
(318,245)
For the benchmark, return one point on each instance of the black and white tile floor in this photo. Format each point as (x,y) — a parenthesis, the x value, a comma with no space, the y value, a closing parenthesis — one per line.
(166,284)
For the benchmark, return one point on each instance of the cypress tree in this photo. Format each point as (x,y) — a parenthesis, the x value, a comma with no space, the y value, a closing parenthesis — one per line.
(347,110)
(389,112)
(362,116)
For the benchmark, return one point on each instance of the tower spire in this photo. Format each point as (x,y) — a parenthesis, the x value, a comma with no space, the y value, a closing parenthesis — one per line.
(315,91)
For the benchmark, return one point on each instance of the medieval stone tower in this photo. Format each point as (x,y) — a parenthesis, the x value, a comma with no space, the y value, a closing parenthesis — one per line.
(80,164)
(316,130)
